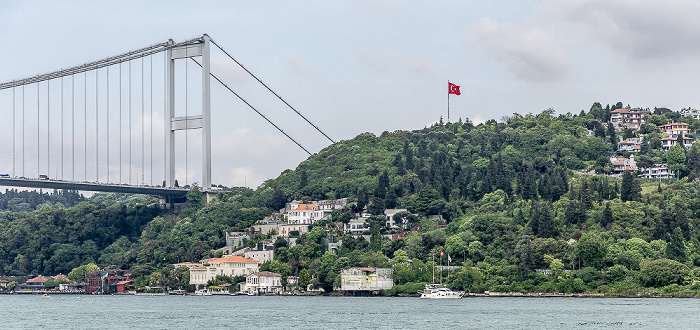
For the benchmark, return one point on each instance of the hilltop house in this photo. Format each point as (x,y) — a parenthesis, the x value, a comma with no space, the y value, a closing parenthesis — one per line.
(690,112)
(628,118)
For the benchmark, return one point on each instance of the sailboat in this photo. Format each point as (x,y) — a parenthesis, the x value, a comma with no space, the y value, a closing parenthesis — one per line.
(438,291)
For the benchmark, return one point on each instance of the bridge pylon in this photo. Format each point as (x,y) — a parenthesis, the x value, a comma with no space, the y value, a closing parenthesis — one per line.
(199,47)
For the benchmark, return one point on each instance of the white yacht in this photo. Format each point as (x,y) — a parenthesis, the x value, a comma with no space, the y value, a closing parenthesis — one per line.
(435,291)
(203,292)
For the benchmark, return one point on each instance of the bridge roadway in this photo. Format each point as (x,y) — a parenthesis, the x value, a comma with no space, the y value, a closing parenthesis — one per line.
(87,186)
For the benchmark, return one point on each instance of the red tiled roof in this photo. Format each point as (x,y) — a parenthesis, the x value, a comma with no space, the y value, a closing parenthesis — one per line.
(619,110)
(305,207)
(38,279)
(367,269)
(229,259)
(61,277)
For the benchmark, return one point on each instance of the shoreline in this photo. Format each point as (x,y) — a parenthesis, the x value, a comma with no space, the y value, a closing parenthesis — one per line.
(401,295)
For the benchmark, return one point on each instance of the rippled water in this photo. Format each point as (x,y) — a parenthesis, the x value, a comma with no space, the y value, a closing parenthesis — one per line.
(226,312)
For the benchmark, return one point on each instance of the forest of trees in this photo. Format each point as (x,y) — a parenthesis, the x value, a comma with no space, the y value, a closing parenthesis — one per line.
(524,193)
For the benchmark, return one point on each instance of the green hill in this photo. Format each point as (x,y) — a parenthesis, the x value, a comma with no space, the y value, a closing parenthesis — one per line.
(516,196)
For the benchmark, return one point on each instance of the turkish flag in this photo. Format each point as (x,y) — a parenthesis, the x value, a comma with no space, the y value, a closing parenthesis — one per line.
(453,89)
(442,253)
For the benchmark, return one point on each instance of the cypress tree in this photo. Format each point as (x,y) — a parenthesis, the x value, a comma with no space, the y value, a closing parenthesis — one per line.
(676,247)
(612,136)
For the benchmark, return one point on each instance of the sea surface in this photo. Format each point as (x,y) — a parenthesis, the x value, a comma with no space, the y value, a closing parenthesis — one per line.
(272,312)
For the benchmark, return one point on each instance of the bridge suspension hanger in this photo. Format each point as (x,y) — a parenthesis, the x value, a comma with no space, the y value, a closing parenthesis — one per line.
(254,109)
(271,91)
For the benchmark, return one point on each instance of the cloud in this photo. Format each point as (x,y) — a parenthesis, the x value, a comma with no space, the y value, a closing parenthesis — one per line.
(639,29)
(530,54)
(296,67)
(390,61)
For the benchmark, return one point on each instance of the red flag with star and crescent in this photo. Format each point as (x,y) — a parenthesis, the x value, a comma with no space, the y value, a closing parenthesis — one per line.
(453,89)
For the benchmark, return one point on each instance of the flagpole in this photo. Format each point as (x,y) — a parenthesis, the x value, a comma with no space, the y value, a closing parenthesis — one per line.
(448,100)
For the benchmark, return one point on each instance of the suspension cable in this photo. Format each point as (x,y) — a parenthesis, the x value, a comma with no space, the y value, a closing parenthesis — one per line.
(269,89)
(120,124)
(14,127)
(73,125)
(143,129)
(85,122)
(62,137)
(97,126)
(108,125)
(186,121)
(151,119)
(256,110)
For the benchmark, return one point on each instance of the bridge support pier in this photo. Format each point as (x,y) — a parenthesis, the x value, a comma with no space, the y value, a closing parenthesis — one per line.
(203,121)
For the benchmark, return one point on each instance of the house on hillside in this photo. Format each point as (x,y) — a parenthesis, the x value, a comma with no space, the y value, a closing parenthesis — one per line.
(622,164)
(667,143)
(631,144)
(628,118)
(690,112)
(657,171)
(675,129)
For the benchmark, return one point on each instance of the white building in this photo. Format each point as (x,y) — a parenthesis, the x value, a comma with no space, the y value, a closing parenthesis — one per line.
(261,256)
(630,145)
(356,226)
(235,239)
(667,143)
(657,171)
(366,279)
(228,265)
(263,282)
(621,164)
(690,112)
(390,222)
(675,129)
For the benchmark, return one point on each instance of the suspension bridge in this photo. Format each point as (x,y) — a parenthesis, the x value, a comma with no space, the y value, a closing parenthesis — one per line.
(92,125)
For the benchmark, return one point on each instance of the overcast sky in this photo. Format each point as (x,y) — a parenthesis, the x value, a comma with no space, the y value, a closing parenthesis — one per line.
(350,66)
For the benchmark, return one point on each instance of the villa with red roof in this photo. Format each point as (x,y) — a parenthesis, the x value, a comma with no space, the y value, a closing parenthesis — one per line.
(228,265)
(628,118)
(667,143)
(675,129)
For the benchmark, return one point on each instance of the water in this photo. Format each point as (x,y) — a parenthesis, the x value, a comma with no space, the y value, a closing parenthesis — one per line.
(227,312)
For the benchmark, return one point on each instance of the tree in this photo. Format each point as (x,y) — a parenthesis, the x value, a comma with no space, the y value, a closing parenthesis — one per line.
(304,279)
(612,136)
(631,189)
(676,158)
(542,223)
(675,249)
(78,273)
(607,216)
(591,250)
(662,272)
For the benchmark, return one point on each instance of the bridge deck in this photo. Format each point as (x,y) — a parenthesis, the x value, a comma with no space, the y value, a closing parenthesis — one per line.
(86,186)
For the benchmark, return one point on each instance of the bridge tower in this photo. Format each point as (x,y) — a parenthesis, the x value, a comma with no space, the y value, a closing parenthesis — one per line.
(202,121)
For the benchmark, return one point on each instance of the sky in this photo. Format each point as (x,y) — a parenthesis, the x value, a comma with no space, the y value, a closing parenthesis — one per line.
(349,66)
